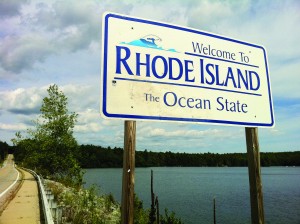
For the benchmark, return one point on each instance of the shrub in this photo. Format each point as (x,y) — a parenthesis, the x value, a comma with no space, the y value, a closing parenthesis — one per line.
(85,206)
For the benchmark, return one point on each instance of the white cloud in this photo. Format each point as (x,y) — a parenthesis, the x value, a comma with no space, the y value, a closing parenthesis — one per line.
(285,79)
(88,121)
(112,123)
(22,101)
(88,127)
(10,8)
(160,132)
(82,98)
(163,12)
(60,42)
(29,100)
(13,127)
(198,132)
(48,29)
(18,53)
(209,15)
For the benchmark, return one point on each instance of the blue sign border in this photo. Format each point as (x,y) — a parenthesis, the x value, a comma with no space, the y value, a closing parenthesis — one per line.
(161,118)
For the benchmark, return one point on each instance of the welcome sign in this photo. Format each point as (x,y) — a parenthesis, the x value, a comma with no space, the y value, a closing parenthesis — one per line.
(158,71)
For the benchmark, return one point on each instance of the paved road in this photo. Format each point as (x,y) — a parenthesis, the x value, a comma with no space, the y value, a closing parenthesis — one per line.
(8,175)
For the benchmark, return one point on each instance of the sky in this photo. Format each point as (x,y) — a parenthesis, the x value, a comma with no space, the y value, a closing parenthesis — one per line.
(60,42)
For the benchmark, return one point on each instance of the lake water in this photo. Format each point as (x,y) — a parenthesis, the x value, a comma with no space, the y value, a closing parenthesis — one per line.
(189,192)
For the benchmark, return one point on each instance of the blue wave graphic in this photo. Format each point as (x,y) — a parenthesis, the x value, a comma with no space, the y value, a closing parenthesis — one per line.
(142,43)
(148,42)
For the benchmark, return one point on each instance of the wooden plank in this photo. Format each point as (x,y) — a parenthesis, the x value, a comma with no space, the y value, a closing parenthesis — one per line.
(127,205)
(256,194)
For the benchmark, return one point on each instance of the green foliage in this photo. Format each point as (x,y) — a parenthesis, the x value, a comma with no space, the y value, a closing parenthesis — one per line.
(109,202)
(170,218)
(90,156)
(26,151)
(4,148)
(85,206)
(50,147)
(141,215)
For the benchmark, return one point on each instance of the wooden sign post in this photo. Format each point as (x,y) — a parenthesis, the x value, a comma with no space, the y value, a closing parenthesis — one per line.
(256,194)
(127,205)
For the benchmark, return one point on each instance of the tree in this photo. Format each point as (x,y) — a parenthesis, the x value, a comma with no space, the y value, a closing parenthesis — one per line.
(3,150)
(54,145)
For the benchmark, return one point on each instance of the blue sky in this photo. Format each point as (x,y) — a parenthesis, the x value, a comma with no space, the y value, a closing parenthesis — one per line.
(47,42)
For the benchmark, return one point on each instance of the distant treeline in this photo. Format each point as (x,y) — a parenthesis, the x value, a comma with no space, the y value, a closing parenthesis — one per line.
(90,156)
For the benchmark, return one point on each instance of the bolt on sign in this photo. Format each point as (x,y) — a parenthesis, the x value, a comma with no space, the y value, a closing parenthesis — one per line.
(158,71)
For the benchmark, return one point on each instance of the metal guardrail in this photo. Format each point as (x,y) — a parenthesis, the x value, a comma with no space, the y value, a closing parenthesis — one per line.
(46,208)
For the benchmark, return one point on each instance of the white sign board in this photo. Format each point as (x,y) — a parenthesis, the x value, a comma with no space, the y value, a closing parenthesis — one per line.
(158,71)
